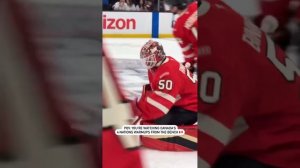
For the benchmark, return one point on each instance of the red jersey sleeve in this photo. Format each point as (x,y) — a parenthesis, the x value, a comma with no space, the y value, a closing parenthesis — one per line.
(185,31)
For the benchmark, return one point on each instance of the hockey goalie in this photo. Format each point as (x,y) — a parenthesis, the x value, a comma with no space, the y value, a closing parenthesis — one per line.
(170,98)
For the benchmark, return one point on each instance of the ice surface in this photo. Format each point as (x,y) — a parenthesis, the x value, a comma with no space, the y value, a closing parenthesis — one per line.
(165,159)
(129,48)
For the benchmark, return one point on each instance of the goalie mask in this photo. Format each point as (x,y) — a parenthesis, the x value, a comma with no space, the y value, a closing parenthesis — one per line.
(152,53)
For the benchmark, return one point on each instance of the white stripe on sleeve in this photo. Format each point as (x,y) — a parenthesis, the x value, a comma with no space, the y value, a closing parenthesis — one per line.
(166,96)
(158,105)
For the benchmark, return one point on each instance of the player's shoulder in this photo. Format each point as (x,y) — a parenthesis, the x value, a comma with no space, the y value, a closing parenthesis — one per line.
(193,6)
(216,7)
(219,21)
(169,68)
(170,63)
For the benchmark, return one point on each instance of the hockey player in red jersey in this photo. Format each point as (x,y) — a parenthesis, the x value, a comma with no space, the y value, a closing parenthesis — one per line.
(249,95)
(185,28)
(169,99)
(171,96)
(117,151)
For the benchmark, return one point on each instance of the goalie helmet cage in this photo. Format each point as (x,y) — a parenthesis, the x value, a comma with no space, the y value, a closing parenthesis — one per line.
(35,129)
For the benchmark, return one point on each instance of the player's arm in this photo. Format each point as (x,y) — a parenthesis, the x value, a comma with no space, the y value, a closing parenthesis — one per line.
(187,39)
(222,91)
(187,50)
(219,108)
(157,102)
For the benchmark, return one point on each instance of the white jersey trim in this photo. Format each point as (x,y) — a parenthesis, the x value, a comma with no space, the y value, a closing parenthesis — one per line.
(156,104)
(195,32)
(219,131)
(166,96)
(214,128)
(189,56)
(240,126)
(202,163)
(187,47)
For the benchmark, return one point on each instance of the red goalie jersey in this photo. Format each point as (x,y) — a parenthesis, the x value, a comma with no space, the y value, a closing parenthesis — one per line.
(249,92)
(185,31)
(171,85)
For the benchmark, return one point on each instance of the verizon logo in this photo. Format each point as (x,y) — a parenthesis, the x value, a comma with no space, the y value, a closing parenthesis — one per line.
(118,23)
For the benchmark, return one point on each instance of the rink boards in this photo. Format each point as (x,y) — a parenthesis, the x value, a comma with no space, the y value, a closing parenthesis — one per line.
(137,24)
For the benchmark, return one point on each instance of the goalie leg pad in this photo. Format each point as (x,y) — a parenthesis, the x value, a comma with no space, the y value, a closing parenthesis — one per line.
(186,142)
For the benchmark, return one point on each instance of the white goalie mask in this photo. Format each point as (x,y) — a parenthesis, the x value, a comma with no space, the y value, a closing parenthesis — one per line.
(152,53)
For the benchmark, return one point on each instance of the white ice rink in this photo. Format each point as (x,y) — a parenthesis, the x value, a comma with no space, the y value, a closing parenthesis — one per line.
(129,48)
(133,75)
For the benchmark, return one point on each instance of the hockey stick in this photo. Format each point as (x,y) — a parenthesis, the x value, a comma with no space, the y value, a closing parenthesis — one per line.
(137,120)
